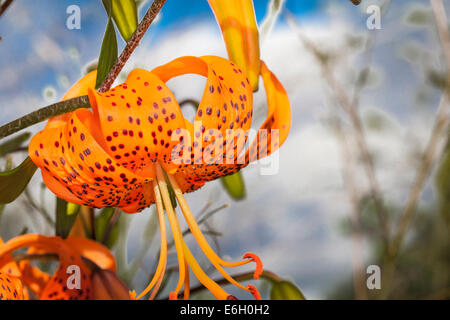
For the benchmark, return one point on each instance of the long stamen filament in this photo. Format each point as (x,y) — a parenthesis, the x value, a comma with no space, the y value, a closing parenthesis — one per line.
(174,225)
(186,281)
(201,240)
(157,285)
(185,257)
(160,270)
(212,286)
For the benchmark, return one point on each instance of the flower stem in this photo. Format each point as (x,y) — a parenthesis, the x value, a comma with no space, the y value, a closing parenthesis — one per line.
(44,114)
(135,39)
(5,5)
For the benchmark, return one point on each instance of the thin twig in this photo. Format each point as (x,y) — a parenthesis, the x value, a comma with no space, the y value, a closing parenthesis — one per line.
(83,101)
(352,111)
(135,39)
(5,5)
(91,214)
(44,114)
(38,208)
(112,223)
(359,284)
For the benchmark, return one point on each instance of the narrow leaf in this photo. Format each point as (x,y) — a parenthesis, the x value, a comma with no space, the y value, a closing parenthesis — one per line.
(64,220)
(124,13)
(286,290)
(13,182)
(108,53)
(13,144)
(234,185)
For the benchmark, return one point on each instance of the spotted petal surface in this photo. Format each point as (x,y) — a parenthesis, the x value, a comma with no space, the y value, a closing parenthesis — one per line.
(10,288)
(106,157)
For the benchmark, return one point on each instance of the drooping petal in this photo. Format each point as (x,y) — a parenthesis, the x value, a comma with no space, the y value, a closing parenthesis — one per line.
(78,169)
(94,251)
(275,129)
(224,115)
(237,21)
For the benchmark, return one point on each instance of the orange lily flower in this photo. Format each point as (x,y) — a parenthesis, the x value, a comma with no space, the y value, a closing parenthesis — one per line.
(127,151)
(237,21)
(72,252)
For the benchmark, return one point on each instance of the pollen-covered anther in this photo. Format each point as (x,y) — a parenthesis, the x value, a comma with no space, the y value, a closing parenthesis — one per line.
(259,265)
(254,292)
(173,296)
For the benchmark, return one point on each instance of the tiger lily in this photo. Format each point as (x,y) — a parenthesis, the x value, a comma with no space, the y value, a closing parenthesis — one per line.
(126,152)
(71,252)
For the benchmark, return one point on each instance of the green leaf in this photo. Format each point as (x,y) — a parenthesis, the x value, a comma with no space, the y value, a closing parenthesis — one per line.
(108,6)
(8,166)
(65,217)
(234,185)
(13,182)
(101,224)
(124,13)
(13,144)
(286,290)
(108,53)
(442,181)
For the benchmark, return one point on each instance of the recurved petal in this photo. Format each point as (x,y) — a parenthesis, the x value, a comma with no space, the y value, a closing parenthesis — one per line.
(94,251)
(137,119)
(224,115)
(76,166)
(8,265)
(275,129)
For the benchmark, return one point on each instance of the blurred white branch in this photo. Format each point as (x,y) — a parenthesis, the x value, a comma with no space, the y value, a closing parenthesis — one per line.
(273,12)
